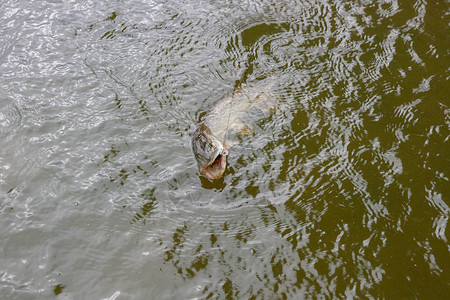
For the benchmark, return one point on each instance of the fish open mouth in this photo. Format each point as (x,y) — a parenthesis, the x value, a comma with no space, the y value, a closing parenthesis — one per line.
(216,168)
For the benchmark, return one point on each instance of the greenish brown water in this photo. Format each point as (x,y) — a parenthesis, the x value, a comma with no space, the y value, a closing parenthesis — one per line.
(342,193)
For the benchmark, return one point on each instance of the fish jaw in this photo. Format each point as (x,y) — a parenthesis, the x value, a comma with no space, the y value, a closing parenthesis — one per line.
(216,169)
(205,146)
(209,152)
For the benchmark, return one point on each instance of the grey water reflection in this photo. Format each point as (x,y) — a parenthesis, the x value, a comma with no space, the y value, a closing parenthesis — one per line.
(341,193)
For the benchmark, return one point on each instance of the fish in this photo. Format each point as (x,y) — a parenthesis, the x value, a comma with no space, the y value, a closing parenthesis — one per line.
(212,140)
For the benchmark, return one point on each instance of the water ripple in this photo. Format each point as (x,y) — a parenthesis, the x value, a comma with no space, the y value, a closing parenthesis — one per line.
(98,103)
(10,117)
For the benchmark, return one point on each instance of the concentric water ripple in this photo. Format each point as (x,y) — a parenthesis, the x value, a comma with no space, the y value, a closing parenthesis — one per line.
(340,193)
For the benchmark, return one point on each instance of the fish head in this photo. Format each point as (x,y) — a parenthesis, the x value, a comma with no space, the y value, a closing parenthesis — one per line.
(209,152)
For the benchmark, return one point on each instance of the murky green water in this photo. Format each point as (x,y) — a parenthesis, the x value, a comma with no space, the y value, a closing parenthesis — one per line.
(342,193)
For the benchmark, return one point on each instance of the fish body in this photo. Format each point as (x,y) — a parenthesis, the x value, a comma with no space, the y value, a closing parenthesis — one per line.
(211,142)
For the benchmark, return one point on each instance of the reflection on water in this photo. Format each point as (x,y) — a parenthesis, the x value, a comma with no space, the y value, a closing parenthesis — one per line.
(342,192)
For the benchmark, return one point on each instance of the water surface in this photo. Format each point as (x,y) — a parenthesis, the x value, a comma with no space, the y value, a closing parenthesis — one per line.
(341,193)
